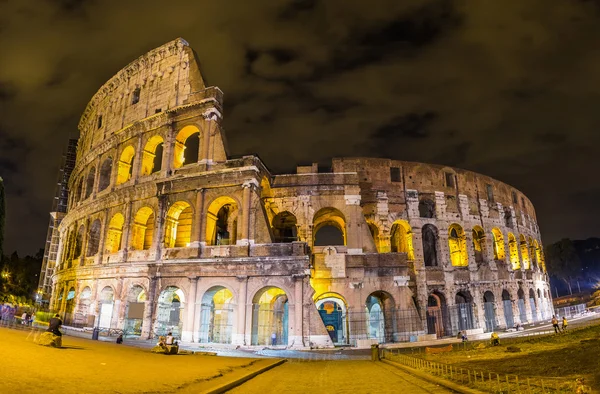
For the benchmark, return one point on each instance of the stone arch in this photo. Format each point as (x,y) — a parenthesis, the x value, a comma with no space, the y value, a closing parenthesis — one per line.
(136,305)
(374,230)
(437,315)
(84,301)
(464,310)
(178,225)
(285,227)
(479,244)
(514,252)
(508,310)
(524,252)
(333,309)
(489,311)
(105,174)
(379,307)
(89,183)
(93,241)
(78,247)
(329,227)
(499,253)
(142,229)
(533,305)
(521,305)
(429,236)
(152,155)
(221,221)
(114,234)
(538,254)
(426,208)
(125,166)
(79,192)
(401,238)
(169,311)
(185,150)
(217,315)
(270,317)
(70,305)
(107,297)
(457,244)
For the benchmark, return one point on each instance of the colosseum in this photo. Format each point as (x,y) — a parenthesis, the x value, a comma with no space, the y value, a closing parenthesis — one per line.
(165,231)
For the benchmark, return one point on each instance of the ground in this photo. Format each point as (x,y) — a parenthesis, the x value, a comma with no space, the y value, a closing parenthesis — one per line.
(337,377)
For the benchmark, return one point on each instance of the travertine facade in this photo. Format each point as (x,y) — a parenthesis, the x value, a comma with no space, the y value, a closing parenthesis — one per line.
(165,233)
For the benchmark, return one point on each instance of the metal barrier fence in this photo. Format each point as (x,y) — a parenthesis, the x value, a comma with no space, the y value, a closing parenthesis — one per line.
(490,382)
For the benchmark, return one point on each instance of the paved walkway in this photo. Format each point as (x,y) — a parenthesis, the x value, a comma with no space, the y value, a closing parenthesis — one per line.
(337,377)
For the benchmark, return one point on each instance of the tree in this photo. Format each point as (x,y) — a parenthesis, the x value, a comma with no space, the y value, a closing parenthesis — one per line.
(2,215)
(563,261)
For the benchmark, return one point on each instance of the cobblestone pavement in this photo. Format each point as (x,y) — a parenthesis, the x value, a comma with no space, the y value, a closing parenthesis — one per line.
(337,377)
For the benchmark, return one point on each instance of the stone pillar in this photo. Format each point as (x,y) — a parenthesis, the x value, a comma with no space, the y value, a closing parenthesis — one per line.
(197,237)
(150,303)
(159,227)
(168,148)
(245,222)
(187,334)
(353,229)
(239,335)
(126,235)
(209,125)
(137,162)
(296,339)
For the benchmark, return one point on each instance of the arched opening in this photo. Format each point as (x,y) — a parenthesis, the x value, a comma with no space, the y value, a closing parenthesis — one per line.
(79,191)
(514,252)
(521,305)
(437,315)
(374,230)
(329,227)
(105,174)
(114,234)
(379,308)
(178,225)
(142,229)
(464,311)
(152,155)
(78,248)
(270,317)
(524,252)
(125,166)
(107,296)
(94,238)
(479,244)
(489,311)
(458,246)
(429,235)
(538,254)
(185,150)
(82,314)
(89,184)
(221,222)
(499,254)
(533,305)
(508,311)
(70,306)
(401,239)
(426,208)
(136,303)
(284,228)
(168,313)
(332,310)
(216,317)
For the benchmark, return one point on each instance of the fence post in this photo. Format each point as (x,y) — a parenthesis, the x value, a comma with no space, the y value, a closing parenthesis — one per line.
(469,375)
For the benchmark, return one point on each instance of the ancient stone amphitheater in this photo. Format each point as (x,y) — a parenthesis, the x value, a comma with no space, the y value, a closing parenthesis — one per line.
(166,232)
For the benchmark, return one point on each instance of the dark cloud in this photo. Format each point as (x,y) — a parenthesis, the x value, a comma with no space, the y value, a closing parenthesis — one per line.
(509,89)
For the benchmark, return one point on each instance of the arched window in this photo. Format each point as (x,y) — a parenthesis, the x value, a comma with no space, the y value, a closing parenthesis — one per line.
(186,146)
(374,230)
(329,227)
(152,155)
(221,222)
(178,225)
(125,169)
(142,230)
(479,244)
(538,254)
(457,246)
(78,242)
(94,238)
(514,252)
(89,184)
(426,208)
(532,255)
(105,172)
(508,217)
(499,254)
(284,228)
(79,191)
(115,232)
(429,234)
(524,252)
(401,239)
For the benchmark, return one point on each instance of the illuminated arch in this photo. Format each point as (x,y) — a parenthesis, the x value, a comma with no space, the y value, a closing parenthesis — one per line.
(429,237)
(479,244)
(284,227)
(538,255)
(114,234)
(125,166)
(217,315)
(152,155)
(332,224)
(333,309)
(499,253)
(402,239)
(105,174)
(270,312)
(457,244)
(93,241)
(221,221)
(183,152)
(374,230)
(142,229)
(89,183)
(514,252)
(532,255)
(178,225)
(524,252)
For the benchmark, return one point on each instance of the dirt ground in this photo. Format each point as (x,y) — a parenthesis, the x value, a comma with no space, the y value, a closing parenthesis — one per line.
(569,355)
(85,366)
(348,376)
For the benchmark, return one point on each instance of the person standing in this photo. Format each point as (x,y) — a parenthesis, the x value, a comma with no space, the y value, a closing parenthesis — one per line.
(273,339)
(564,323)
(555,324)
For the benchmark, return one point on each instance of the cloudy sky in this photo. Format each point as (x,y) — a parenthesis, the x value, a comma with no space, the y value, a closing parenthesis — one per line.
(508,88)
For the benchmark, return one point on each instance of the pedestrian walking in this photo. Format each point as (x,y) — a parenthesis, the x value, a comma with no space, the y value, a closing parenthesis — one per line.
(555,324)
(273,339)
(564,323)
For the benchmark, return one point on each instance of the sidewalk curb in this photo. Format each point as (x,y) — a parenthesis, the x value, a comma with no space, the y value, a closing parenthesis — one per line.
(229,385)
(434,379)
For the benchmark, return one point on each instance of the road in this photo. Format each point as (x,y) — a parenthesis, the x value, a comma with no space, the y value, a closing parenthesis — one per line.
(337,377)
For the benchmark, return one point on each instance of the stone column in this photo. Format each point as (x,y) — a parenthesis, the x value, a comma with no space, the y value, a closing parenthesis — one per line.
(168,148)
(149,306)
(159,227)
(209,125)
(239,335)
(197,236)
(126,235)
(296,339)
(187,334)
(245,222)
(137,162)
(353,229)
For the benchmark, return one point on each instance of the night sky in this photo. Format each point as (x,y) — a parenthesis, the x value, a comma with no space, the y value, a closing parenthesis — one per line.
(507,88)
